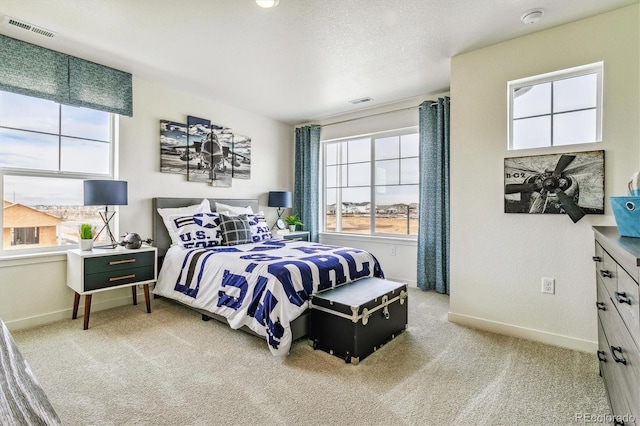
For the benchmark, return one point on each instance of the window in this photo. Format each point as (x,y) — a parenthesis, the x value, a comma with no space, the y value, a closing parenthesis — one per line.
(560,108)
(371,184)
(46,151)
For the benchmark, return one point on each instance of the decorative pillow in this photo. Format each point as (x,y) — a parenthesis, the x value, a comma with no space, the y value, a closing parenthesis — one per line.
(235,229)
(203,207)
(259,228)
(198,230)
(233,210)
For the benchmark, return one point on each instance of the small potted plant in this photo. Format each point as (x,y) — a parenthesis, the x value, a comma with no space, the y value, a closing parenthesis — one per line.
(293,221)
(86,236)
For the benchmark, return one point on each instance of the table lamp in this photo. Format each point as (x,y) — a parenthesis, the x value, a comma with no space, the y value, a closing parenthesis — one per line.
(280,199)
(105,193)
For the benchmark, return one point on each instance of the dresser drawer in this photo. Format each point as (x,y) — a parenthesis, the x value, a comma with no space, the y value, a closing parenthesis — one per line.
(627,301)
(624,358)
(93,265)
(611,374)
(606,270)
(119,277)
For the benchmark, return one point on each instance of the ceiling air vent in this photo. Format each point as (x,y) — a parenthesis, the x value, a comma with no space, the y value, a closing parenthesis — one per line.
(27,26)
(361,100)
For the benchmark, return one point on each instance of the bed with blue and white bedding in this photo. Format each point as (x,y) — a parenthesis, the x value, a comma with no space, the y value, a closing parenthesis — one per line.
(264,285)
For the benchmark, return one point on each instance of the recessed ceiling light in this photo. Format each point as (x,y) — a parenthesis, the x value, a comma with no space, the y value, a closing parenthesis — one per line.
(532,16)
(267,4)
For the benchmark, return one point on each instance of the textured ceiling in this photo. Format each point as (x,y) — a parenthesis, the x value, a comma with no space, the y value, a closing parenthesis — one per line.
(300,61)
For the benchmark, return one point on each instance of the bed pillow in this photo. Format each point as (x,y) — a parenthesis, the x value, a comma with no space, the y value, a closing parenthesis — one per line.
(232,210)
(203,207)
(199,230)
(235,229)
(259,228)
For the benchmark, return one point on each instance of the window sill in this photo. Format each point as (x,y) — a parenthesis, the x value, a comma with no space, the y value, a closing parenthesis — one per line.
(335,236)
(32,258)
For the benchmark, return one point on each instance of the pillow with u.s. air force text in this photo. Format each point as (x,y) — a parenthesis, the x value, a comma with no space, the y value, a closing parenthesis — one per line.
(199,230)
(259,227)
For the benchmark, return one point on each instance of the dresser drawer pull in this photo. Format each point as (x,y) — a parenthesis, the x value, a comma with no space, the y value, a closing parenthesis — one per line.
(124,277)
(615,349)
(601,306)
(120,262)
(622,297)
(597,259)
(605,273)
(601,356)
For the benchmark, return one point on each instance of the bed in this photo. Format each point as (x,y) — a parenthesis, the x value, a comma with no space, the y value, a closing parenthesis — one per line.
(261,286)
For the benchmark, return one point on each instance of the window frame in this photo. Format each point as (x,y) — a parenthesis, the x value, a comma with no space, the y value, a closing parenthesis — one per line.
(593,68)
(372,184)
(58,174)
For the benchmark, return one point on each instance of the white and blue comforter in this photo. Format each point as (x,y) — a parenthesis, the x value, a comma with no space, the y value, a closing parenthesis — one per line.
(263,285)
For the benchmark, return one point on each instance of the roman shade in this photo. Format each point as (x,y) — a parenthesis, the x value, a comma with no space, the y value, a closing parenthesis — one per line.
(35,71)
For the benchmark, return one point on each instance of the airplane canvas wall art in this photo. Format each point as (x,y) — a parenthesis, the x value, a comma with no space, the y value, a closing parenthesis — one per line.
(571,183)
(204,152)
(173,147)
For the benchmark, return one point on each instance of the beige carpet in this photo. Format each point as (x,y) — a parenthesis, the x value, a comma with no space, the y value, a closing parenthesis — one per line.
(171,368)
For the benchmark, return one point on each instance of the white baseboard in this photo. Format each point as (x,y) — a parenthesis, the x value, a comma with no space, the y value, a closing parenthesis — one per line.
(67,313)
(525,333)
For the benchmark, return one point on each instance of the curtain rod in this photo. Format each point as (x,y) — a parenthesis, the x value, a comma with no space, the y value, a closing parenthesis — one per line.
(376,114)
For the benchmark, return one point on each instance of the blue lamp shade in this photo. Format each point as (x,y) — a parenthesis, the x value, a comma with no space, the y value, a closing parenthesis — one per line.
(105,193)
(280,199)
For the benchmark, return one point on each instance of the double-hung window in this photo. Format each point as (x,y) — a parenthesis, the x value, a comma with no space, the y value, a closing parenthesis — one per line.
(559,108)
(46,151)
(371,184)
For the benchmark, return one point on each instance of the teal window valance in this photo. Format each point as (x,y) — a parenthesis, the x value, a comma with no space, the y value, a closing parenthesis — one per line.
(35,71)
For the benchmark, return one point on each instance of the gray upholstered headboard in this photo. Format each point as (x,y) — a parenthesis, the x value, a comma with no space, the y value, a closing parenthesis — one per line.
(161,237)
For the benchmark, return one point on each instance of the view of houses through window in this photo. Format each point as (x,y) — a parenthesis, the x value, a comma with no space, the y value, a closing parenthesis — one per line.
(371,184)
(47,150)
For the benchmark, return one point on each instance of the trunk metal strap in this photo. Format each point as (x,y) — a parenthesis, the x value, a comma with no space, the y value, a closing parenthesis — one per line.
(366,313)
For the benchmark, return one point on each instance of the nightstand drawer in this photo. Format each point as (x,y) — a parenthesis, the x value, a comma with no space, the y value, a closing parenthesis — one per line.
(118,277)
(298,235)
(93,265)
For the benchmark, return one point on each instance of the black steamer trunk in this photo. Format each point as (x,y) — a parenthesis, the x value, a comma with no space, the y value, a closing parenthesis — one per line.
(356,319)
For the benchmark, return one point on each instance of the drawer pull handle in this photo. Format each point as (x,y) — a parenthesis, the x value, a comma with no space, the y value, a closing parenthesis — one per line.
(124,277)
(120,262)
(622,298)
(601,306)
(615,349)
(597,259)
(601,356)
(605,273)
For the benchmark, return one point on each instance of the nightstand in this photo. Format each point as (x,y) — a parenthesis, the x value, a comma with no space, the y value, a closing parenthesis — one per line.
(297,235)
(98,270)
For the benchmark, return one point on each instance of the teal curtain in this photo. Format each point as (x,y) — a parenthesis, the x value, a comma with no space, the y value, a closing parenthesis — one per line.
(433,213)
(98,87)
(306,192)
(32,70)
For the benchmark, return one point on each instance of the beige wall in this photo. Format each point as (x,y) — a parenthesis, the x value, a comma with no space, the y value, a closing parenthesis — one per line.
(498,259)
(33,291)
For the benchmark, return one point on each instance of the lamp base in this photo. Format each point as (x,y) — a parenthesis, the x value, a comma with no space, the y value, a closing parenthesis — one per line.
(106,217)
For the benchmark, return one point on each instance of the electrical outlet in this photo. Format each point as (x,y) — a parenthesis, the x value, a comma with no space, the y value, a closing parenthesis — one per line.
(393,250)
(548,285)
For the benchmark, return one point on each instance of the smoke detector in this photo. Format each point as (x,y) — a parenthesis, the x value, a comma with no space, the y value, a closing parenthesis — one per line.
(28,27)
(532,16)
